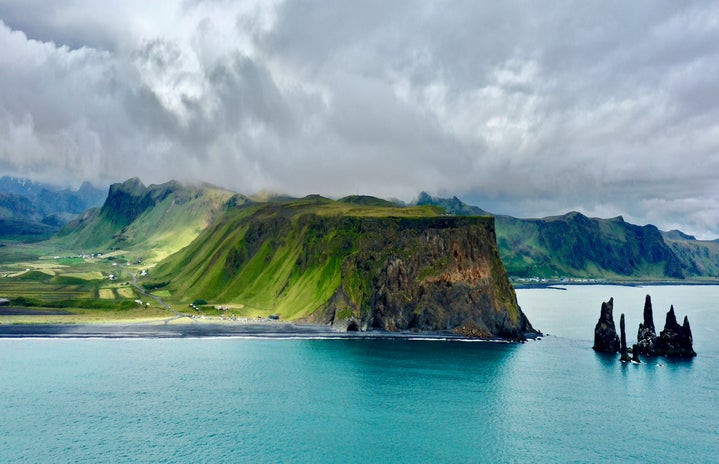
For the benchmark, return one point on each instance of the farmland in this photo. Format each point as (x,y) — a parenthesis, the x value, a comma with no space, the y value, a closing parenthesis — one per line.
(79,288)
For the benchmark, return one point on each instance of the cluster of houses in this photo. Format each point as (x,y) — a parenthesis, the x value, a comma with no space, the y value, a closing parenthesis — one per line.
(218,307)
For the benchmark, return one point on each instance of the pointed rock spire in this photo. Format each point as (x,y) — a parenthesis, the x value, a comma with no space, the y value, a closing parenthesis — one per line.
(623,353)
(647,335)
(606,339)
(675,340)
(648,314)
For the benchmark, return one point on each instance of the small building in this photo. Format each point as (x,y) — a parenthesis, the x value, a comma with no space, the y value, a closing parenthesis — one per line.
(111,277)
(4,302)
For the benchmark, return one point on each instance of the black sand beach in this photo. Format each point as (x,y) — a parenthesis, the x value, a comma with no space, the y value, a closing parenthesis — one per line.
(198,330)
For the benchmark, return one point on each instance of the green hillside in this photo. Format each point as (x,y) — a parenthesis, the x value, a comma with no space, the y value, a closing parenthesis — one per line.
(573,245)
(283,257)
(699,258)
(150,222)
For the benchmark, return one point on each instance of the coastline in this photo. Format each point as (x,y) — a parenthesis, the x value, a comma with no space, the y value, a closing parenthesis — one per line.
(177,328)
(558,284)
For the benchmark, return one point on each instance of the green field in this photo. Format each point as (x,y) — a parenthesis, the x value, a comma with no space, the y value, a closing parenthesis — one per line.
(79,287)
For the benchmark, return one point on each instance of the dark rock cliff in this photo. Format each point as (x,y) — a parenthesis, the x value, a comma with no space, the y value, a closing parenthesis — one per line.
(426,274)
(606,339)
(128,200)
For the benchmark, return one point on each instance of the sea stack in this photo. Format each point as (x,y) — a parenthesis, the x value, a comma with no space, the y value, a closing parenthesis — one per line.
(675,340)
(635,355)
(623,353)
(606,339)
(647,335)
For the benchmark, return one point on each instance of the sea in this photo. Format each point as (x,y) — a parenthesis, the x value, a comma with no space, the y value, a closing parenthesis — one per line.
(224,400)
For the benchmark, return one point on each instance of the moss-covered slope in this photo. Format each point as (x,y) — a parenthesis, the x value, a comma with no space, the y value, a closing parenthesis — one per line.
(153,221)
(352,264)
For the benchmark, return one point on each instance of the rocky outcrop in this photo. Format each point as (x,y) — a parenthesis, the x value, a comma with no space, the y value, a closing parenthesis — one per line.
(606,339)
(623,352)
(647,336)
(675,340)
(428,274)
(635,354)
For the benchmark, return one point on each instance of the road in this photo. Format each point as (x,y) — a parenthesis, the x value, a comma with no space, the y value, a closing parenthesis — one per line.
(159,300)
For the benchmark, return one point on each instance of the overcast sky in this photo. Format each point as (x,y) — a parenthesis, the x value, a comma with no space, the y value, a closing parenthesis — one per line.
(526,108)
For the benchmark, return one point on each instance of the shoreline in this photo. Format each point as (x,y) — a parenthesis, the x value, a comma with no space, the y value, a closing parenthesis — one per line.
(175,328)
(557,285)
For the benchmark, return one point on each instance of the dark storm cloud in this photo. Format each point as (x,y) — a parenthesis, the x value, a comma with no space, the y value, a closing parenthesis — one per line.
(523,107)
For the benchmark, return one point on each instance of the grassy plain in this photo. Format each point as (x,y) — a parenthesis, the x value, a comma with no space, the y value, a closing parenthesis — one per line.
(74,289)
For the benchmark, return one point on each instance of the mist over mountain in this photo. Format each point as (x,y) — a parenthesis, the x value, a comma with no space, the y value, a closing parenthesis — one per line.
(29,208)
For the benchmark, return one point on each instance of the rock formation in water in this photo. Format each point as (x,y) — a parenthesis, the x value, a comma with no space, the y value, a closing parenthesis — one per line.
(635,354)
(623,353)
(647,336)
(606,339)
(675,340)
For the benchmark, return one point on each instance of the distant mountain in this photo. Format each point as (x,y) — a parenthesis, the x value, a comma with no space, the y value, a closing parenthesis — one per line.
(151,222)
(452,205)
(573,245)
(20,186)
(30,208)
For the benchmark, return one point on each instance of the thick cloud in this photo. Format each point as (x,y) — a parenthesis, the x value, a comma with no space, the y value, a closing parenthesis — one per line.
(521,107)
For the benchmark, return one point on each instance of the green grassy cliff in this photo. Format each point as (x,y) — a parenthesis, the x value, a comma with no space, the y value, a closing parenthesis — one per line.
(356,263)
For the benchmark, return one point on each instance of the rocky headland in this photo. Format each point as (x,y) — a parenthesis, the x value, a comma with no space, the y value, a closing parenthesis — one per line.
(356,264)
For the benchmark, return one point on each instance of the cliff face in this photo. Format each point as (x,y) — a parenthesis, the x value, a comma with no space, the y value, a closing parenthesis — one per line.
(427,275)
(354,264)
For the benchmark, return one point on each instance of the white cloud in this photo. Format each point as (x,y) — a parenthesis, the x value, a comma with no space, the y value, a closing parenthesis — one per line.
(525,108)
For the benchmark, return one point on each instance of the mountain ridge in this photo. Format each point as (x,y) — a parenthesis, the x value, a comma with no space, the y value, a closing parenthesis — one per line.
(150,221)
(574,245)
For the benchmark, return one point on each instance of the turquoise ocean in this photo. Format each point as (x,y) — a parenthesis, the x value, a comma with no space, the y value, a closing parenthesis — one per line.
(357,400)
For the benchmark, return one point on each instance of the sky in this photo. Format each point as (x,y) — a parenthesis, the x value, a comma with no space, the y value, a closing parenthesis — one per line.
(524,108)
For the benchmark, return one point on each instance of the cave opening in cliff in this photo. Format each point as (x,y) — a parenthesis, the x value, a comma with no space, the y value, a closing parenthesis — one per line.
(353,327)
